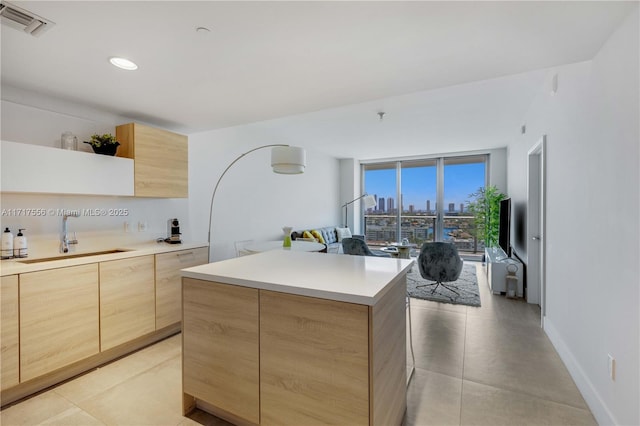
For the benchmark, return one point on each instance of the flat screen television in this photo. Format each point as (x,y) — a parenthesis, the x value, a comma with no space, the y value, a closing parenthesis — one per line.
(504,231)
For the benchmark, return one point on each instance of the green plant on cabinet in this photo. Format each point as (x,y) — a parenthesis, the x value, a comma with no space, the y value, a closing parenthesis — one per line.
(484,204)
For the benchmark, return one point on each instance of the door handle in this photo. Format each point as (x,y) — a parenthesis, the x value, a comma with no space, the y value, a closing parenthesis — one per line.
(536,238)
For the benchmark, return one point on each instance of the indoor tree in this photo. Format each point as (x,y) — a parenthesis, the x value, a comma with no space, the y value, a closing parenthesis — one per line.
(484,204)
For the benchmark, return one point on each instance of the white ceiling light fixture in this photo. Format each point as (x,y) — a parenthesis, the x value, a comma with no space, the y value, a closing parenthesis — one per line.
(123,63)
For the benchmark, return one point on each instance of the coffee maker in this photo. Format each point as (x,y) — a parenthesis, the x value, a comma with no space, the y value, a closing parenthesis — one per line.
(173,231)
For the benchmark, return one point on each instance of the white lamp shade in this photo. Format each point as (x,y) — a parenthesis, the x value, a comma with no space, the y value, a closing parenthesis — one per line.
(288,160)
(369,201)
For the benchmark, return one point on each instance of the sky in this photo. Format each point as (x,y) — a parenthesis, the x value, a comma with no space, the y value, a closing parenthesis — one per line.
(419,184)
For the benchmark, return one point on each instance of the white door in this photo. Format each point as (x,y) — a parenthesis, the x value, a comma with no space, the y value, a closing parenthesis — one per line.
(535,225)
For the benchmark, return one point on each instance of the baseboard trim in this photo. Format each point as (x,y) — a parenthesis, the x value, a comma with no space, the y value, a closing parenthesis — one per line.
(591,396)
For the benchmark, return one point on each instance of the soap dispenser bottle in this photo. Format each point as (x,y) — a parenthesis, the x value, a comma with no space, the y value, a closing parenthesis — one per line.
(7,244)
(20,244)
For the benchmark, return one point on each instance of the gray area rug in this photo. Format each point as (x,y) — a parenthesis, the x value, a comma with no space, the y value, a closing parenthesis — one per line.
(466,285)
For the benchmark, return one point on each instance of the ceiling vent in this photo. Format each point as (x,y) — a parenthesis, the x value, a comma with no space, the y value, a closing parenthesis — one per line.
(22,19)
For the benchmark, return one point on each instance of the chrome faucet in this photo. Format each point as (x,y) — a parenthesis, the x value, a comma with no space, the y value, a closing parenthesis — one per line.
(64,245)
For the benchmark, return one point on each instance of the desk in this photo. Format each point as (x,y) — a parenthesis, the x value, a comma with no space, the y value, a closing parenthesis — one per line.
(294,338)
(404,250)
(277,245)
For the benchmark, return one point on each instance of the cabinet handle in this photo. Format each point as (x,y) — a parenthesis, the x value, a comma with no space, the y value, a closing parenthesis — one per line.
(189,253)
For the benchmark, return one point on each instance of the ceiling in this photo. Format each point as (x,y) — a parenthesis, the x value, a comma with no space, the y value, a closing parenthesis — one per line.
(264,60)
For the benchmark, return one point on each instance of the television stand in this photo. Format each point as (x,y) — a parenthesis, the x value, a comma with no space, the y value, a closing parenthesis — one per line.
(497,262)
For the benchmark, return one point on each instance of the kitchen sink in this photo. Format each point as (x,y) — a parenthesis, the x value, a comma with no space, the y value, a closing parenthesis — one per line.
(71,256)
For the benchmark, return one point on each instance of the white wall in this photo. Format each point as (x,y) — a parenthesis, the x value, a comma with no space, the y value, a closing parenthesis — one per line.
(252,202)
(498,169)
(28,117)
(592,225)
(350,189)
(44,125)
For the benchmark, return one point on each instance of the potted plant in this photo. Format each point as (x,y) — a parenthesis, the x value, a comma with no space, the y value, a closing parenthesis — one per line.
(104,144)
(485,207)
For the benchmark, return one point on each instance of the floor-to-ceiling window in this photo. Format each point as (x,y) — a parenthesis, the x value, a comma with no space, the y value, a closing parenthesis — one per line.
(381,221)
(424,200)
(418,193)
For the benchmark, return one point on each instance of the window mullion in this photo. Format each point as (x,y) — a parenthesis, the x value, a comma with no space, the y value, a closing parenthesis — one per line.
(439,231)
(400,201)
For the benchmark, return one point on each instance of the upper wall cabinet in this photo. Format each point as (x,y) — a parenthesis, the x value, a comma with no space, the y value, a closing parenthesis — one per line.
(160,158)
(41,169)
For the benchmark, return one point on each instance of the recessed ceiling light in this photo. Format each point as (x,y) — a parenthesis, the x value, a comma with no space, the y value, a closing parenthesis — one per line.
(123,63)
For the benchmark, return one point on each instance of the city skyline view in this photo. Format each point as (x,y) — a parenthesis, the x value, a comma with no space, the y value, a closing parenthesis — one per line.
(412,214)
(419,185)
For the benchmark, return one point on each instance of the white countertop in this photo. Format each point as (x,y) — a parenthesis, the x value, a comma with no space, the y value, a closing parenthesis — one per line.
(14,266)
(277,245)
(354,279)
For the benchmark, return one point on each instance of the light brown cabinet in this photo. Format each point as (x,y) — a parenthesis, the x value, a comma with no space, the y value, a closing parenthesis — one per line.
(263,357)
(168,282)
(57,323)
(321,346)
(221,347)
(160,160)
(59,317)
(9,373)
(127,300)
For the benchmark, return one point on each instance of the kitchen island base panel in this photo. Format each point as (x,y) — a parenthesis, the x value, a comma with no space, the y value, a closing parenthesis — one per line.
(211,409)
(320,360)
(388,356)
(221,346)
(314,360)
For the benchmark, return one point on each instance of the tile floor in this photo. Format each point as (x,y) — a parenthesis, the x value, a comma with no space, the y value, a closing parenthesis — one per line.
(491,365)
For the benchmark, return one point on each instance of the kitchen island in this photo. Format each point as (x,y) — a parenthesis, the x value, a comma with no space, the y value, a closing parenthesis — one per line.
(285,337)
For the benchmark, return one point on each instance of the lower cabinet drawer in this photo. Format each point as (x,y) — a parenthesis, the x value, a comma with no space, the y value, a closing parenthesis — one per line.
(58,318)
(168,282)
(127,300)
(9,329)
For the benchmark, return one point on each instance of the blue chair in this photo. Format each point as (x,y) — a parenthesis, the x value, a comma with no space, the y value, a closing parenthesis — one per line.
(441,263)
(358,247)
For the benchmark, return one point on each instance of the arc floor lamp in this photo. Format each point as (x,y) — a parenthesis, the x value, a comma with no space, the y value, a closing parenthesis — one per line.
(285,159)
(368,200)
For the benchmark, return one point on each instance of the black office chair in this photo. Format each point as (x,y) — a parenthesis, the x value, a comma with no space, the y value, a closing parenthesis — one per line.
(441,263)
(358,247)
